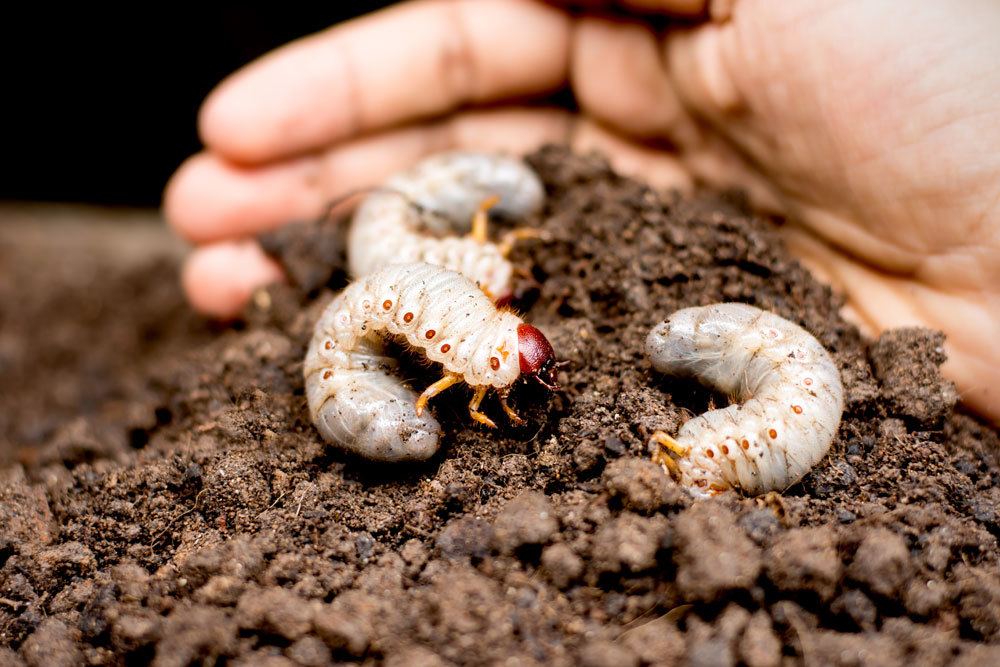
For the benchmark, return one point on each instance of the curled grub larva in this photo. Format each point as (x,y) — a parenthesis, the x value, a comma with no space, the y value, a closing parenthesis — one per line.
(404,221)
(358,404)
(790,392)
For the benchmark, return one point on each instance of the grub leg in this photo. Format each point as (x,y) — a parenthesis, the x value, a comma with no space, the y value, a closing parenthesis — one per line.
(667,442)
(521,234)
(511,415)
(481,219)
(489,295)
(474,408)
(662,455)
(435,389)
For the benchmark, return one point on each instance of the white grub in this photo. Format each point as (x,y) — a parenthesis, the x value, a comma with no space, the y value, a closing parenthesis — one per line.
(415,215)
(787,385)
(355,400)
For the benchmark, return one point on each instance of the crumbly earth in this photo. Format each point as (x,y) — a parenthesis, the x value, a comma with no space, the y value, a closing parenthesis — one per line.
(164,497)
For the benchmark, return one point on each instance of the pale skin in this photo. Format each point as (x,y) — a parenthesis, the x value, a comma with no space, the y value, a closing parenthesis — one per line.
(872,125)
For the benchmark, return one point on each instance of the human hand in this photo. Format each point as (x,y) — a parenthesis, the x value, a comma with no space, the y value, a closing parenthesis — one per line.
(873,126)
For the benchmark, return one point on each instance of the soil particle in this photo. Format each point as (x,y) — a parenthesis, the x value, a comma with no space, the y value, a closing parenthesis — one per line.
(707,649)
(805,559)
(70,559)
(350,623)
(467,612)
(342,632)
(275,610)
(465,537)
(922,644)
(239,558)
(979,607)
(415,656)
(977,656)
(856,609)
(195,633)
(561,565)
(713,554)
(222,590)
(913,387)
(131,581)
(415,554)
(760,525)
(657,642)
(8,658)
(760,646)
(309,652)
(527,519)
(847,650)
(629,542)
(265,657)
(132,631)
(603,653)
(313,252)
(25,519)
(924,596)
(641,486)
(882,562)
(53,644)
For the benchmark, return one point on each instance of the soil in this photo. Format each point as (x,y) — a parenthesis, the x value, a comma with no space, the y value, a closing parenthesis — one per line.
(164,497)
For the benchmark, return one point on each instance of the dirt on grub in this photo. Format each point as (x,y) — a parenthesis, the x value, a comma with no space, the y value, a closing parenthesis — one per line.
(166,499)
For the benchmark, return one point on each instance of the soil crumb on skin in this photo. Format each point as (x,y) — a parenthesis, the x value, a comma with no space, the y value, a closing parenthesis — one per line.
(202,519)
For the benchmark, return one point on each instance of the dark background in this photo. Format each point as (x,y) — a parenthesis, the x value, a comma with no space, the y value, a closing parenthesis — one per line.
(99,105)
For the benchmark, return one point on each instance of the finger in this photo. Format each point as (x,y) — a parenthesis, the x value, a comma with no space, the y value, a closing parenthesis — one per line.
(650,165)
(618,76)
(681,7)
(675,7)
(700,65)
(413,61)
(209,200)
(219,279)
(620,79)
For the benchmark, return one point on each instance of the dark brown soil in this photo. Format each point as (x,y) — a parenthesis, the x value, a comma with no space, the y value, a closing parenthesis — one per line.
(167,499)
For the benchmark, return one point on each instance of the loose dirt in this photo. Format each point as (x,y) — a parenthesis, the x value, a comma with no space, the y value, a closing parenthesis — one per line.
(164,497)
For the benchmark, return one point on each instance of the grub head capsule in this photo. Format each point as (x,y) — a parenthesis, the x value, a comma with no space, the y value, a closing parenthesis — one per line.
(536,356)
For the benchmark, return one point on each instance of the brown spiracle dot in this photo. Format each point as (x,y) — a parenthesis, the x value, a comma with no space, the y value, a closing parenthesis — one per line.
(710,453)
(772,433)
(445,348)
(408,317)
(327,374)
(807,381)
(797,409)
(725,450)
(430,334)
(387,304)
(745,443)
(494,363)
(328,345)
